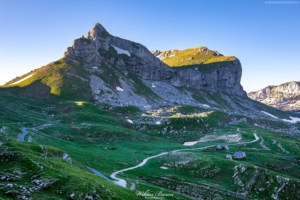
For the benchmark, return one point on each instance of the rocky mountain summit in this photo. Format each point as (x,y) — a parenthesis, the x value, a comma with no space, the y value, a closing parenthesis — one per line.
(99,52)
(105,69)
(98,43)
(94,49)
(285,96)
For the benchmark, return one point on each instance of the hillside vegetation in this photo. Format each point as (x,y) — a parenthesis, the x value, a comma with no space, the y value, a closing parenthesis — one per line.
(193,56)
(100,137)
(58,79)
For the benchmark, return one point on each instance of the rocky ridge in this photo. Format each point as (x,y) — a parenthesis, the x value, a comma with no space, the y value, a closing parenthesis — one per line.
(96,48)
(285,96)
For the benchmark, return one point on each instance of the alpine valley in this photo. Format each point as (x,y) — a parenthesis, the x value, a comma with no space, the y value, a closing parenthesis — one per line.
(112,120)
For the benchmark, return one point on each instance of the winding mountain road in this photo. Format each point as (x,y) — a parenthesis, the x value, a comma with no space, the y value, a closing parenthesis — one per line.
(24,131)
(123,183)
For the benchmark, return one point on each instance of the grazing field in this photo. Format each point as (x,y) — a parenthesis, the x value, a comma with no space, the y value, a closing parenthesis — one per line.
(65,138)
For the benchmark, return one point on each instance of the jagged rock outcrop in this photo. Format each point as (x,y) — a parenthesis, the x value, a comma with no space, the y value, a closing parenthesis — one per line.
(285,96)
(95,48)
(156,53)
(99,47)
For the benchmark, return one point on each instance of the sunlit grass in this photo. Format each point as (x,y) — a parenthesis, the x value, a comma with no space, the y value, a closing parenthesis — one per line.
(177,112)
(194,56)
(203,114)
(79,103)
(61,78)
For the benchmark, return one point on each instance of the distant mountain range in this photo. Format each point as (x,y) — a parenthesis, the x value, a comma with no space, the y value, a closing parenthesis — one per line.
(285,96)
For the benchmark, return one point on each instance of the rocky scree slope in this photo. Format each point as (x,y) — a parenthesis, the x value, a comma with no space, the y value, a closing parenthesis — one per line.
(285,96)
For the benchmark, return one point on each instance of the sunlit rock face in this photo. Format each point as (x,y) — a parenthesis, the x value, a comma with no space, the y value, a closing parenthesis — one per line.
(285,96)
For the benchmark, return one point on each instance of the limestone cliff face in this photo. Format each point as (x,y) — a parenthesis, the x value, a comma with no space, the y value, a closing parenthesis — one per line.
(99,47)
(225,78)
(285,96)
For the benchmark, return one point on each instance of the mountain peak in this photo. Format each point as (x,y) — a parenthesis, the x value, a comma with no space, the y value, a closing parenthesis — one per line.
(100,57)
(285,96)
(97,31)
(99,27)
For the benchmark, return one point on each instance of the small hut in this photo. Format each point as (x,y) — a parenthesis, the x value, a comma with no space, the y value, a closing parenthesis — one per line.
(226,147)
(239,155)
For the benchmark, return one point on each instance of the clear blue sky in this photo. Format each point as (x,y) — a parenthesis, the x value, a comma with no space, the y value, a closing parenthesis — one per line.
(265,37)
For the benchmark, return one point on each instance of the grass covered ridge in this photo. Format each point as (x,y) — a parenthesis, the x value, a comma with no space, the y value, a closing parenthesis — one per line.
(59,78)
(193,56)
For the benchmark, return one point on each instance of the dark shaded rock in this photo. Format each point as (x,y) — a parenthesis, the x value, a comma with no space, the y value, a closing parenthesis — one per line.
(226,78)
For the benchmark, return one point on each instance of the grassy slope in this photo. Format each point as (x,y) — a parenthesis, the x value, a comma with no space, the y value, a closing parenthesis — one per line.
(193,56)
(211,168)
(82,130)
(25,163)
(67,179)
(101,138)
(54,76)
